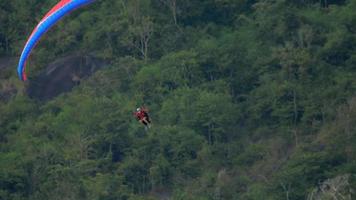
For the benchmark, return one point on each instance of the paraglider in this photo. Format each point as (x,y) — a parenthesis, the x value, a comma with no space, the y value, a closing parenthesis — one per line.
(142,116)
(62,8)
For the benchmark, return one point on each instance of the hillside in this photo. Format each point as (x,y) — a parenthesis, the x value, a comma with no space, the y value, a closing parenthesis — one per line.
(249,99)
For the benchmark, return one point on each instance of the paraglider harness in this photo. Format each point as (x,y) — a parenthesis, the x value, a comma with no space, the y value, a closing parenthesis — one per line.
(141,115)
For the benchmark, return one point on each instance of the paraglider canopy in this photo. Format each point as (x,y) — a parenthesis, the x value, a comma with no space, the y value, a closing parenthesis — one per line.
(62,8)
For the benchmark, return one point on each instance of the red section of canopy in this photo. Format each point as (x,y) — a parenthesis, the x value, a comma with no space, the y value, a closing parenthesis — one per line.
(56,7)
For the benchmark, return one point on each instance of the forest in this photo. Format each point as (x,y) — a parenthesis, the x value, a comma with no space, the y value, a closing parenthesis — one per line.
(249,99)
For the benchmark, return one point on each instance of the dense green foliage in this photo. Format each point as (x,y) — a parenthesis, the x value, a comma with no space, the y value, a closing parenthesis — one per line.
(249,99)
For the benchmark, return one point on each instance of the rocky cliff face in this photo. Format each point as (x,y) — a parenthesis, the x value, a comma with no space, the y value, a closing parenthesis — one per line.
(62,75)
(333,189)
(7,88)
(6,62)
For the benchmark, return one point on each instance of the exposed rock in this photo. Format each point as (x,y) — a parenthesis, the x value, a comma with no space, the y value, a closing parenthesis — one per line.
(62,75)
(161,194)
(7,62)
(334,189)
(7,88)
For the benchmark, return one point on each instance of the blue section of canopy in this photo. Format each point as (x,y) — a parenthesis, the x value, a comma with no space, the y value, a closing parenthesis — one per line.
(42,28)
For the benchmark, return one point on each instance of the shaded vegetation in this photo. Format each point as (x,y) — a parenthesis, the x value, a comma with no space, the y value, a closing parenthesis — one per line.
(249,99)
